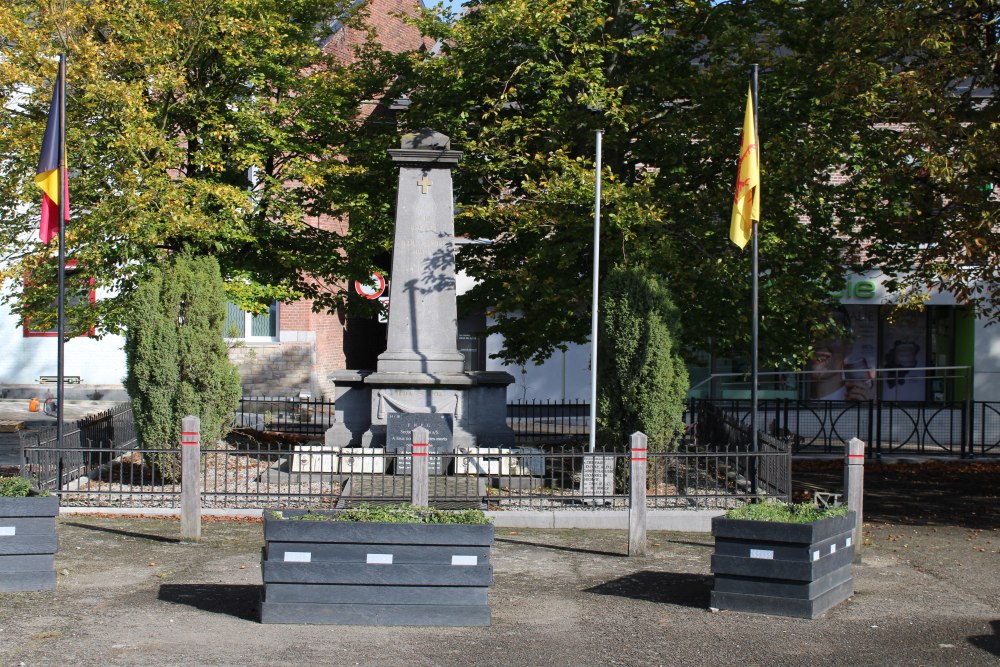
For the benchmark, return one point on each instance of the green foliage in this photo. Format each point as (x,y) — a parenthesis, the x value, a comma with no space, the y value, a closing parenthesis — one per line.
(403,513)
(223,127)
(774,510)
(14,487)
(873,127)
(642,381)
(176,358)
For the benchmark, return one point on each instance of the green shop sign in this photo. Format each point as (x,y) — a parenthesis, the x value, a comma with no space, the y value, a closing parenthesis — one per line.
(855,288)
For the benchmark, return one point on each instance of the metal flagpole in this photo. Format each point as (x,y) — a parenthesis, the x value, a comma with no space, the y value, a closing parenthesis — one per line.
(61,268)
(753,344)
(593,311)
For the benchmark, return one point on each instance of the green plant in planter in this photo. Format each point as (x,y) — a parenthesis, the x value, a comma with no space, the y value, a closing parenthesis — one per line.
(393,514)
(14,487)
(775,510)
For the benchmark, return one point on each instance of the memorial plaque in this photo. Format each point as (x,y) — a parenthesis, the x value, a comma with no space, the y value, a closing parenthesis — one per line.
(597,479)
(399,439)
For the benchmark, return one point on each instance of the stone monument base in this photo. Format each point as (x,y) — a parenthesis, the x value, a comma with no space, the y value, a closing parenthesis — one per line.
(476,403)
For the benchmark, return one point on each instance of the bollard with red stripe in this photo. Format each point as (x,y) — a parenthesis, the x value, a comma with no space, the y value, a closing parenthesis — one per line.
(854,483)
(190,478)
(419,480)
(637,495)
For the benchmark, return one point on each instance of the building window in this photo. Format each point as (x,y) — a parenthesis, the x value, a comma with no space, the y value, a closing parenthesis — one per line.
(242,325)
(79,292)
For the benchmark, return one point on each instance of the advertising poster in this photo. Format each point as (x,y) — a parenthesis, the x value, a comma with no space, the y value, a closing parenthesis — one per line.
(843,369)
(903,349)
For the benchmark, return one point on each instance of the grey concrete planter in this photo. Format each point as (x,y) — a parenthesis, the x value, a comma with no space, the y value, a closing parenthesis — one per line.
(784,569)
(347,573)
(28,543)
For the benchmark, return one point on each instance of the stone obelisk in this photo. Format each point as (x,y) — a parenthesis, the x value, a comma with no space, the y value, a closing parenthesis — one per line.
(422,371)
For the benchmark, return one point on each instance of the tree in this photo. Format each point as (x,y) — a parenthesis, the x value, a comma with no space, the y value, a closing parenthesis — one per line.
(642,380)
(221,127)
(176,357)
(521,86)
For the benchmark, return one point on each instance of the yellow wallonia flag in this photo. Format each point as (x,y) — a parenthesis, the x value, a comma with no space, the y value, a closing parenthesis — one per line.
(746,201)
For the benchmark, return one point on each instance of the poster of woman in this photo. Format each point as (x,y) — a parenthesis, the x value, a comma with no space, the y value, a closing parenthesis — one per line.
(843,368)
(904,350)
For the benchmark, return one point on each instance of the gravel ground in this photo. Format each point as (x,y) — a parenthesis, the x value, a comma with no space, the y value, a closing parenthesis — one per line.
(130,593)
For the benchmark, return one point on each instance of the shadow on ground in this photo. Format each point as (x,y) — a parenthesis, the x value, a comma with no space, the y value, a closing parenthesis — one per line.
(989,643)
(239,600)
(685,590)
(125,533)
(558,547)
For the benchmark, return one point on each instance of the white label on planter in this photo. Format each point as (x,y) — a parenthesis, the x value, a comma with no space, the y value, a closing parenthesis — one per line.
(379,559)
(298,557)
(465,560)
(766,554)
(848,543)
(833,548)
(815,555)
(8,531)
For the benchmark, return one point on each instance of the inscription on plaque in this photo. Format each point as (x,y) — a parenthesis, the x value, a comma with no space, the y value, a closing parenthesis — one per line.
(597,479)
(399,438)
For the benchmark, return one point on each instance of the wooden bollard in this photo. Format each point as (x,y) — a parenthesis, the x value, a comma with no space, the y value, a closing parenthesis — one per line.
(418,478)
(854,489)
(190,478)
(637,495)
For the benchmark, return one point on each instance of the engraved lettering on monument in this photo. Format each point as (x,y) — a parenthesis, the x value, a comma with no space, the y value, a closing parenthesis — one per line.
(597,479)
(399,438)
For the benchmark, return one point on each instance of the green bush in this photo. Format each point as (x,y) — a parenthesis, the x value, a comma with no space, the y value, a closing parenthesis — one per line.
(14,487)
(642,380)
(775,510)
(176,358)
(393,514)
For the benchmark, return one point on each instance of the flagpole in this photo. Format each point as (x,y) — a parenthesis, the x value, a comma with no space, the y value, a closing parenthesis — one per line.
(592,445)
(61,327)
(755,293)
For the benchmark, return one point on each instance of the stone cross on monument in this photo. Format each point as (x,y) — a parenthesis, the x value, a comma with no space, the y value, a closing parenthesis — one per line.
(421,371)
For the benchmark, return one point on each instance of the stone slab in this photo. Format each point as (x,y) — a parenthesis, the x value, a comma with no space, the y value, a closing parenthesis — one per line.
(404,574)
(781,569)
(27,563)
(15,582)
(358,553)
(404,595)
(779,606)
(802,590)
(29,544)
(360,614)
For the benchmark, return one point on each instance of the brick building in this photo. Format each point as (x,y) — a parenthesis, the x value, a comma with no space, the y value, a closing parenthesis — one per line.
(293,350)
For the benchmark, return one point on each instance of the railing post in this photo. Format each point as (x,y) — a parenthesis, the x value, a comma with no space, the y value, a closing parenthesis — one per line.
(190,478)
(637,496)
(854,489)
(419,468)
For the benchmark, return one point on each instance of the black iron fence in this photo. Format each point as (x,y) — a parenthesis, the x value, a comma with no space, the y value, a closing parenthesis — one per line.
(549,421)
(251,471)
(963,429)
(92,443)
(284,414)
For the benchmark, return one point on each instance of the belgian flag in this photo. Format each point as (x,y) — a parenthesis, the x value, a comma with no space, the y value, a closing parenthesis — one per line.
(51,173)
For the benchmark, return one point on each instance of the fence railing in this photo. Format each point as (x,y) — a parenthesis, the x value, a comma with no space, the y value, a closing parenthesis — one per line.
(250,473)
(889,428)
(95,442)
(284,414)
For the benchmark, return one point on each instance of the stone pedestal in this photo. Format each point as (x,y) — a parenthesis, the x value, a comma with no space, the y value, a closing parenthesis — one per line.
(421,370)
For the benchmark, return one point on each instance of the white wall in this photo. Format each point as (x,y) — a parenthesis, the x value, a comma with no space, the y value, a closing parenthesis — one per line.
(24,359)
(986,366)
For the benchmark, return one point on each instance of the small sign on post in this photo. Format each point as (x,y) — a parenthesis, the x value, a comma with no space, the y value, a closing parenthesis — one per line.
(854,489)
(597,478)
(418,480)
(190,478)
(637,495)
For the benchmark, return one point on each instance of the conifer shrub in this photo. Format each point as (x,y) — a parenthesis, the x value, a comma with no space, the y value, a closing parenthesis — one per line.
(176,357)
(642,380)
